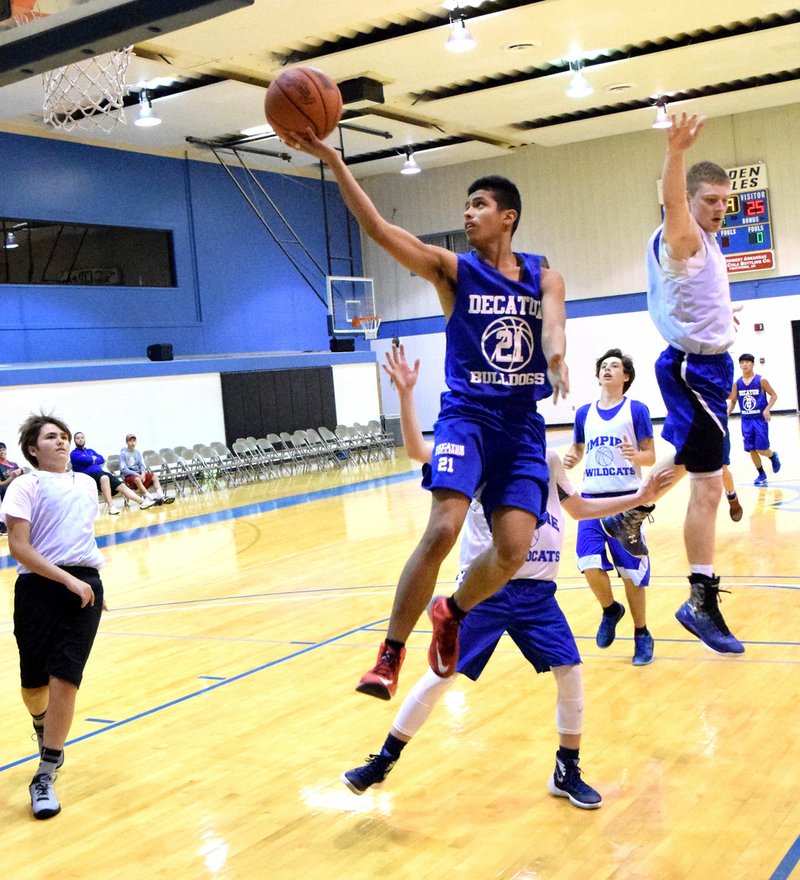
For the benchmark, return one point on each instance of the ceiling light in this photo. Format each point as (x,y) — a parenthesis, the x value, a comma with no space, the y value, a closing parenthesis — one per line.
(579,86)
(410,165)
(147,117)
(460,39)
(11,241)
(662,119)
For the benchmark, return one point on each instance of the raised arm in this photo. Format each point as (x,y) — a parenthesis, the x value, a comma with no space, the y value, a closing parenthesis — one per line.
(554,336)
(681,232)
(405,378)
(437,265)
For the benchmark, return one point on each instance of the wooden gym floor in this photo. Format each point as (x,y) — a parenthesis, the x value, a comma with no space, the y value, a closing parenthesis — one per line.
(218,709)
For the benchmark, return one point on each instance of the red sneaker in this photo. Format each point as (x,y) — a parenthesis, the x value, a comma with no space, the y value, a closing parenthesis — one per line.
(381,680)
(443,652)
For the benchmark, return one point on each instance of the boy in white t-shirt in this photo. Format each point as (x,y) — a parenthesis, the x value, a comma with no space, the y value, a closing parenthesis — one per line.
(58,595)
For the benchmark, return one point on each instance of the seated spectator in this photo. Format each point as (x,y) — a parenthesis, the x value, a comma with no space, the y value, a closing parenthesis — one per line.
(136,475)
(9,471)
(88,461)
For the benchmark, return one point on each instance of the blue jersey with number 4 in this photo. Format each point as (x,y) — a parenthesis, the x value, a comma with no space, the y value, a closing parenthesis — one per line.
(494,336)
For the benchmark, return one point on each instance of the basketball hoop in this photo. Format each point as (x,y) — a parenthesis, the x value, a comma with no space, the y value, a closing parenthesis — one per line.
(369,325)
(87,94)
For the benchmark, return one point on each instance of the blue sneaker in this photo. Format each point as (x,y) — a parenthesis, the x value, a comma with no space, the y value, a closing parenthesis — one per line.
(608,626)
(374,772)
(775,462)
(627,528)
(642,649)
(702,617)
(760,480)
(566,782)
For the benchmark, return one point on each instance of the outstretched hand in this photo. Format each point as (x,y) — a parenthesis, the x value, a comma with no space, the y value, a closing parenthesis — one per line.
(398,370)
(307,142)
(684,132)
(655,484)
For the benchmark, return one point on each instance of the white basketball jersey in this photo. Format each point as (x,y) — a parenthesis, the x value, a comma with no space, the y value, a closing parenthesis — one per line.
(690,302)
(606,470)
(544,554)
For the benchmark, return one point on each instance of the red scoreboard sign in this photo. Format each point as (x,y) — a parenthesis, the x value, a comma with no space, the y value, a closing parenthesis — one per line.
(746,235)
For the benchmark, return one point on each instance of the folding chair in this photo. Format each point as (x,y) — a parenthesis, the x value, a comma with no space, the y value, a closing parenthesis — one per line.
(325,453)
(352,443)
(180,467)
(248,462)
(207,458)
(335,445)
(308,450)
(283,455)
(385,441)
(162,470)
(230,463)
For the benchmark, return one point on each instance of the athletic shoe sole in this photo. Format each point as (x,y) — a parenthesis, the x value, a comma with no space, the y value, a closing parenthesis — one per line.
(558,792)
(697,635)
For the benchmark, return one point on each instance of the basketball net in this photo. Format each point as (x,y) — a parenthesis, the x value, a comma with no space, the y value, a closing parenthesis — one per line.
(88,94)
(369,325)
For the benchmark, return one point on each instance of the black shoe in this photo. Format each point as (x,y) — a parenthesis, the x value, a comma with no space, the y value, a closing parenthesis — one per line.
(627,528)
(566,782)
(359,779)
(702,617)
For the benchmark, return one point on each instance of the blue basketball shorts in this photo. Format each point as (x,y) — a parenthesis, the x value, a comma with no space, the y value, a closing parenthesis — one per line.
(529,613)
(755,433)
(500,451)
(593,548)
(695,388)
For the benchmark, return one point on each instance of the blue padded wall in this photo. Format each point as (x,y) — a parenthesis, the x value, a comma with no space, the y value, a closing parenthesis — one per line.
(236,292)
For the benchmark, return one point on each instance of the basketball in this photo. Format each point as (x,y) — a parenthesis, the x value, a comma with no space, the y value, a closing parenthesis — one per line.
(301,98)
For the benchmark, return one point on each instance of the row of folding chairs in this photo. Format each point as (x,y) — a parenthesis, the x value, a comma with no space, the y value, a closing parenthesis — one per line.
(320,448)
(207,467)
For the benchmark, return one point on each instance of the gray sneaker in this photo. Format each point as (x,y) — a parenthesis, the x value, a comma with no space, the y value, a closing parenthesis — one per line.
(44,802)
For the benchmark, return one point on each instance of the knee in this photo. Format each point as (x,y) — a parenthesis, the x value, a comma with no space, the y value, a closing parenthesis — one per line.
(440,536)
(511,555)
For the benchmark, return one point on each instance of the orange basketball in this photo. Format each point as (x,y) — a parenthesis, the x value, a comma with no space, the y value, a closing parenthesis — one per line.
(300,98)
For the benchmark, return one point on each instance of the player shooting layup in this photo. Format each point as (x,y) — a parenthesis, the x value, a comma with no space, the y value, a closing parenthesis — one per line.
(505,351)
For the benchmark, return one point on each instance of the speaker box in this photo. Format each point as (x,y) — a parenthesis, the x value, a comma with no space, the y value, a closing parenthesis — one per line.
(160,351)
(346,343)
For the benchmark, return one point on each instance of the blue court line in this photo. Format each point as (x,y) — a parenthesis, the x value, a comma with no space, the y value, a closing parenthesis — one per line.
(100,720)
(789,862)
(258,507)
(212,677)
(234,678)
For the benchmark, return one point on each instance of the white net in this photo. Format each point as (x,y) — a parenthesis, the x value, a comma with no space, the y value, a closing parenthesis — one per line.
(88,94)
(369,326)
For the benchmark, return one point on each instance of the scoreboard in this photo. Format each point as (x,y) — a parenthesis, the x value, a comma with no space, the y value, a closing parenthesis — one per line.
(746,235)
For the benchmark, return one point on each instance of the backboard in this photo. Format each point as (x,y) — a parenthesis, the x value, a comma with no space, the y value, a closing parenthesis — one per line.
(349,298)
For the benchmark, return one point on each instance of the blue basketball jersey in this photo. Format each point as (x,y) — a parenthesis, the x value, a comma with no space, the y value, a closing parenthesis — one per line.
(494,335)
(752,397)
